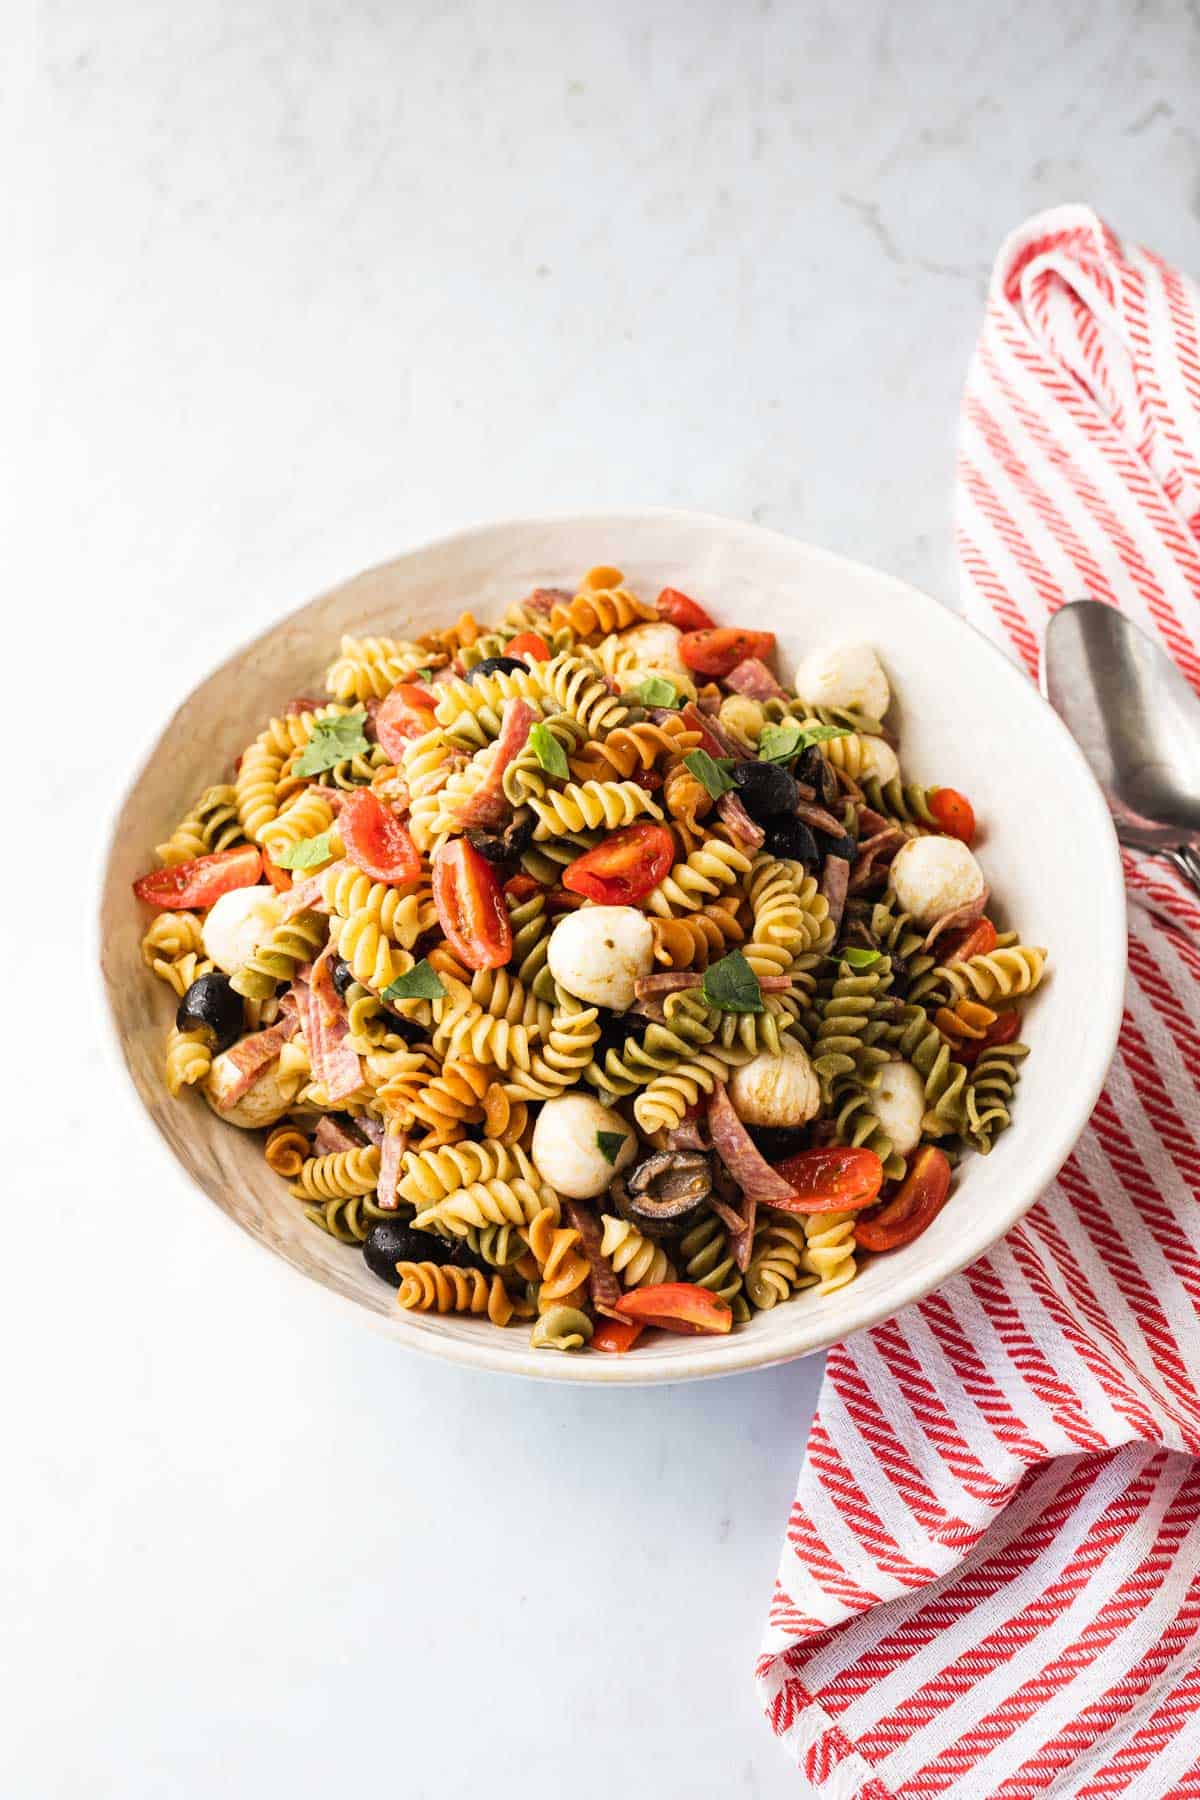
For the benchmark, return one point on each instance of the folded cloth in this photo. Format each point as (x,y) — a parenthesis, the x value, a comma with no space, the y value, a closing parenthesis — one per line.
(991,1579)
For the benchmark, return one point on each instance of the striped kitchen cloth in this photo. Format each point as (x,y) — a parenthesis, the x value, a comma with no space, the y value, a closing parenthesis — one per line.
(991,1580)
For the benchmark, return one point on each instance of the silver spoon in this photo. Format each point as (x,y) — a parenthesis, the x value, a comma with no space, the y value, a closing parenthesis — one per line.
(1138,723)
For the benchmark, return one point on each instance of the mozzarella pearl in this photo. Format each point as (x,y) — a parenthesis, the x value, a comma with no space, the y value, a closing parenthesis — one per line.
(899,1105)
(656,644)
(879,761)
(599,952)
(236,925)
(262,1104)
(776,1090)
(847,675)
(933,876)
(566,1150)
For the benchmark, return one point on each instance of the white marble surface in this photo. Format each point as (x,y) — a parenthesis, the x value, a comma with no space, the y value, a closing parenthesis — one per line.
(307,284)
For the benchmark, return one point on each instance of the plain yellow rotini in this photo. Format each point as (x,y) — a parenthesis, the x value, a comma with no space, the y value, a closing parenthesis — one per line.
(188,1059)
(341,1173)
(369,667)
(592,806)
(716,865)
(999,976)
(637,1261)
(829,1249)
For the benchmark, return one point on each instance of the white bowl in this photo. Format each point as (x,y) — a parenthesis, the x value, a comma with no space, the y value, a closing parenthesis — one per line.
(967,717)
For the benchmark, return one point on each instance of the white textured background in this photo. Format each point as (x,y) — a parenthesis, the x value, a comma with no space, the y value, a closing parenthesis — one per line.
(286,288)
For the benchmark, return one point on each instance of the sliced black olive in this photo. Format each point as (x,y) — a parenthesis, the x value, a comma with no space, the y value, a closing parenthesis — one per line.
(408,1029)
(777,1141)
(498,665)
(341,974)
(790,837)
(766,789)
(816,772)
(843,846)
(211,1005)
(665,1194)
(390,1241)
(507,845)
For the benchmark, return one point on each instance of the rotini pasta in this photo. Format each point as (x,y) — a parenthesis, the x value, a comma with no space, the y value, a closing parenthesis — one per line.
(495,1036)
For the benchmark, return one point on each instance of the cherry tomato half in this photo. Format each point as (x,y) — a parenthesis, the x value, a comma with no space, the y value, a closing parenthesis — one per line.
(677,1306)
(718,651)
(626,865)
(280,879)
(376,842)
(954,813)
(978,939)
(682,611)
(1005,1029)
(530,646)
(520,887)
(406,712)
(913,1207)
(617,1335)
(470,906)
(831,1180)
(202,880)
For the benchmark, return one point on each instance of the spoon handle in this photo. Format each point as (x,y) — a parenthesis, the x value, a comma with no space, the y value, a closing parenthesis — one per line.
(1187,861)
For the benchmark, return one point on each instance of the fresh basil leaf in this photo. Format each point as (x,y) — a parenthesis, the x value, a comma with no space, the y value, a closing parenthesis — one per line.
(859,958)
(713,771)
(420,983)
(549,751)
(610,1144)
(656,690)
(779,743)
(309,853)
(332,741)
(732,986)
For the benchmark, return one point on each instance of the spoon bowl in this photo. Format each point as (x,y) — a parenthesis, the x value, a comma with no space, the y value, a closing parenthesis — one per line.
(1134,717)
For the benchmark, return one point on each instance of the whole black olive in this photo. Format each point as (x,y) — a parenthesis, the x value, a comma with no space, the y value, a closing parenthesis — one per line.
(766,789)
(459,1254)
(341,974)
(843,846)
(390,1241)
(789,836)
(498,665)
(775,1142)
(211,1005)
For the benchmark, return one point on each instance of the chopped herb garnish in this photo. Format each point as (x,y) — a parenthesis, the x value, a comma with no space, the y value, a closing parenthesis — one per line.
(549,751)
(732,986)
(780,743)
(332,741)
(656,690)
(610,1144)
(424,674)
(858,959)
(713,771)
(420,983)
(309,853)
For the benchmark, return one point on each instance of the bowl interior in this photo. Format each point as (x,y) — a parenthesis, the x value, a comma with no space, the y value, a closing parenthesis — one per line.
(966,718)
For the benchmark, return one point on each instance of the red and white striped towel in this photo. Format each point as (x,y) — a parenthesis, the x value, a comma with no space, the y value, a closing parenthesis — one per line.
(991,1581)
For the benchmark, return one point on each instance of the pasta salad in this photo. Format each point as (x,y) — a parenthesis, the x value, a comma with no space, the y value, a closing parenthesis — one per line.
(578,971)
